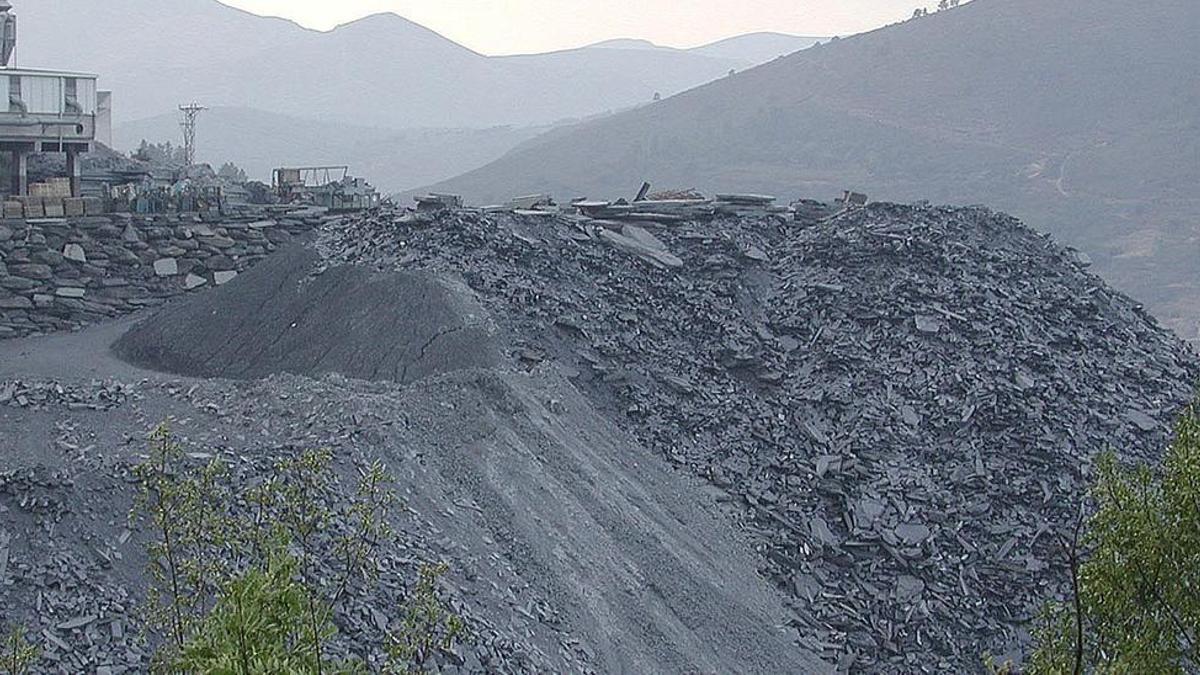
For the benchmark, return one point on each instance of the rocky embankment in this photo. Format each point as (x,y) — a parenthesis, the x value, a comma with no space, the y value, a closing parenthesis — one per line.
(58,274)
(899,405)
(905,399)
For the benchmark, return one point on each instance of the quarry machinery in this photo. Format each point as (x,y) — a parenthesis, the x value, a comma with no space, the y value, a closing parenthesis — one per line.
(329,186)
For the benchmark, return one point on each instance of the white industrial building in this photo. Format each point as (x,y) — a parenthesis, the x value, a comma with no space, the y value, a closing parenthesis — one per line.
(47,111)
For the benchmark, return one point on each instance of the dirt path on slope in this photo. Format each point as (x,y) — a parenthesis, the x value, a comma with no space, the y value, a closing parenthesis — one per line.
(633,555)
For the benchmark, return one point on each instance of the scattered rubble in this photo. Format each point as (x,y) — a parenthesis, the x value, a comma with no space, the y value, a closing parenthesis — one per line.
(901,403)
(71,563)
(93,396)
(905,400)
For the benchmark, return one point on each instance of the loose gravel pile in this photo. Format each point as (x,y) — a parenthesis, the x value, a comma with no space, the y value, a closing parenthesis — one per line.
(277,318)
(906,399)
(899,405)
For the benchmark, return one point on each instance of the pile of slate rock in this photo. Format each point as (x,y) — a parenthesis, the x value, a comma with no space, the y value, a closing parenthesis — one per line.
(96,395)
(906,400)
(71,558)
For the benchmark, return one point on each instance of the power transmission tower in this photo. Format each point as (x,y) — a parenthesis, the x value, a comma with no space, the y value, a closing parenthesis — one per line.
(190,113)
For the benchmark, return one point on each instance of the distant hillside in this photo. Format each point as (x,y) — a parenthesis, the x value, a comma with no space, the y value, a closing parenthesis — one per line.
(1081,116)
(757,47)
(753,48)
(382,70)
(391,159)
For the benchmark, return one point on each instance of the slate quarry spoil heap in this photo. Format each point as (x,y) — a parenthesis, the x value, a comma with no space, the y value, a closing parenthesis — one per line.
(905,401)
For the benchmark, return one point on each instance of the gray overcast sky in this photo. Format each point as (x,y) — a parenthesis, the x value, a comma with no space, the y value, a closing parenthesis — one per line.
(519,26)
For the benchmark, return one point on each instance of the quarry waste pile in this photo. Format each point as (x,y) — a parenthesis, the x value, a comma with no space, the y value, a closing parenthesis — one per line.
(896,407)
(901,404)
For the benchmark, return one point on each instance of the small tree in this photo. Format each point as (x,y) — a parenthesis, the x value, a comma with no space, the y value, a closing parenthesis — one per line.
(163,154)
(232,173)
(1135,605)
(428,627)
(262,623)
(247,580)
(17,653)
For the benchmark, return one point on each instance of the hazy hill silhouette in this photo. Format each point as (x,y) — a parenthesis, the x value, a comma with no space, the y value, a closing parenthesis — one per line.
(1081,116)
(382,70)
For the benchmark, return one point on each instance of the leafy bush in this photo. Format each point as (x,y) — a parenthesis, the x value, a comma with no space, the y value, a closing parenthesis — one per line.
(427,628)
(1135,606)
(248,580)
(260,624)
(17,653)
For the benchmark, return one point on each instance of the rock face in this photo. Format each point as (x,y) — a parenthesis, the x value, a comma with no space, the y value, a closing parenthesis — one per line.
(99,267)
(905,400)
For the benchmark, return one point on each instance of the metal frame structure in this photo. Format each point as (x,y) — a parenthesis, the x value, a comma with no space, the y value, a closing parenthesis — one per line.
(285,178)
(190,113)
(328,186)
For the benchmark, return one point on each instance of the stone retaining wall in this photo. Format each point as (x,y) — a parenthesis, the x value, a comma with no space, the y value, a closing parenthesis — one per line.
(65,273)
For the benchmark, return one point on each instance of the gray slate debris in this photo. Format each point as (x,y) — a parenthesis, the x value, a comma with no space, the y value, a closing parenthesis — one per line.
(905,400)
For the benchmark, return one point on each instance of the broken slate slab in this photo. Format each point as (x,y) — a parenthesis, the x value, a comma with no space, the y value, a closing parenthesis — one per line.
(166,267)
(1142,421)
(651,255)
(912,534)
(821,532)
(928,325)
(5,539)
(74,252)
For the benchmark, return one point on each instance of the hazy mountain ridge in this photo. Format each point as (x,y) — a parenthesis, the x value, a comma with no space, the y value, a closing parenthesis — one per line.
(1073,115)
(382,70)
(750,48)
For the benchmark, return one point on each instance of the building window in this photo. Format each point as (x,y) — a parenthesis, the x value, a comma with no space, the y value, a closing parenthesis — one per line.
(15,104)
(72,96)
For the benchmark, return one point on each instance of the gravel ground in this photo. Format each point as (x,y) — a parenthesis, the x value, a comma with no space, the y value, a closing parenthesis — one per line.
(573,548)
(726,444)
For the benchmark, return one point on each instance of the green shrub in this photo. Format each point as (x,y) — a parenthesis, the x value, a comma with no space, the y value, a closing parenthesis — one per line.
(246,580)
(1135,605)
(17,653)
(261,624)
(428,627)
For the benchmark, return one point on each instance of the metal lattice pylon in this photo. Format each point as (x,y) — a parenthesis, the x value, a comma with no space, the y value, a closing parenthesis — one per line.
(190,113)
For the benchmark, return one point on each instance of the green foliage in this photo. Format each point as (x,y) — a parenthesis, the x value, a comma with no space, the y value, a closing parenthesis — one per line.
(261,624)
(428,627)
(160,154)
(247,580)
(17,653)
(1136,607)
(189,511)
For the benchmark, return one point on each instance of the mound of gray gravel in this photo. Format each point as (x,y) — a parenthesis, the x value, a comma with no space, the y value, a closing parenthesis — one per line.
(906,400)
(903,401)
(288,316)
